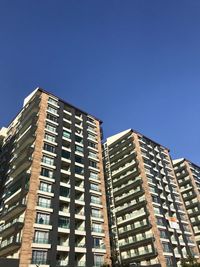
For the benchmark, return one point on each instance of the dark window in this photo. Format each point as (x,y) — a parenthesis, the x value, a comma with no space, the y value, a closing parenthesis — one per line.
(79,170)
(64,191)
(65,154)
(79,159)
(92,164)
(78,139)
(52,118)
(91,144)
(49,148)
(47,173)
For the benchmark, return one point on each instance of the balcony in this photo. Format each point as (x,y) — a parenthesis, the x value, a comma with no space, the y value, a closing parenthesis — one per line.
(9,247)
(132,216)
(10,228)
(134,229)
(127,186)
(136,242)
(12,211)
(127,196)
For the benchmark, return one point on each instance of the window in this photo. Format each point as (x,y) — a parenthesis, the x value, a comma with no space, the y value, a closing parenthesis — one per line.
(45,187)
(52,118)
(47,173)
(97,227)
(53,101)
(92,164)
(163,233)
(160,221)
(94,175)
(50,127)
(66,134)
(79,159)
(79,170)
(49,148)
(91,136)
(43,218)
(91,144)
(96,213)
(169,261)
(98,260)
(53,110)
(78,139)
(44,202)
(41,237)
(95,200)
(50,138)
(64,191)
(166,247)
(39,257)
(79,149)
(65,154)
(63,222)
(92,155)
(155,199)
(48,160)
(97,242)
(94,187)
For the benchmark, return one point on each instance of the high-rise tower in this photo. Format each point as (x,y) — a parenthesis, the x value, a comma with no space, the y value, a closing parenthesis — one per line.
(148,221)
(52,200)
(188,177)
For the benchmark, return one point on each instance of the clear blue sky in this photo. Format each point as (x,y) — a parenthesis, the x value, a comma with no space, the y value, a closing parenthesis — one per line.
(132,63)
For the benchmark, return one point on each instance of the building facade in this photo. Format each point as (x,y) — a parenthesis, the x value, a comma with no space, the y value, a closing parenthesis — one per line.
(148,222)
(188,177)
(53,203)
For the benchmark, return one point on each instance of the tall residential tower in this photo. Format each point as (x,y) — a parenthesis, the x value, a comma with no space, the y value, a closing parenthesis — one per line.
(148,221)
(188,177)
(52,200)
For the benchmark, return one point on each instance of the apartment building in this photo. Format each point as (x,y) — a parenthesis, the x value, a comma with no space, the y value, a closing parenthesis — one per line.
(188,177)
(148,222)
(52,201)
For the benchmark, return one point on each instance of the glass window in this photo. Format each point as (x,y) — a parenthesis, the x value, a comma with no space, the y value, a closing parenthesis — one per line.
(97,242)
(66,134)
(43,218)
(39,257)
(64,191)
(96,213)
(52,118)
(50,138)
(166,247)
(79,159)
(41,237)
(79,170)
(98,260)
(92,164)
(53,101)
(50,127)
(94,175)
(44,202)
(47,160)
(63,222)
(95,199)
(65,154)
(93,155)
(94,187)
(79,148)
(47,173)
(91,144)
(49,148)
(45,187)
(78,139)
(51,109)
